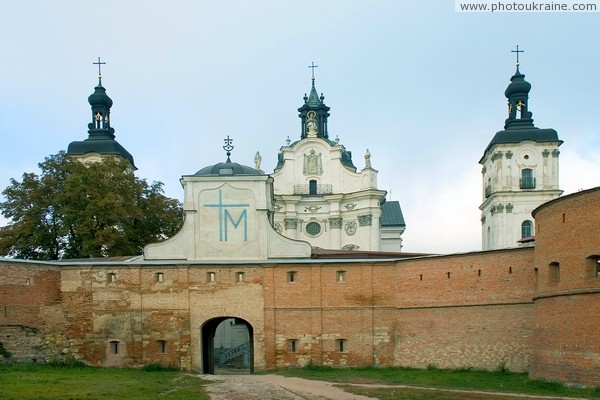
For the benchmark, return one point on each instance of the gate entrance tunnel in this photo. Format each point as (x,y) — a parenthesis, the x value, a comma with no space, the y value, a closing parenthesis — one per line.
(227,346)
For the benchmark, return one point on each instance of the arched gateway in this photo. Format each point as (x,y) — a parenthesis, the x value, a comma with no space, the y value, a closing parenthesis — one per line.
(227,346)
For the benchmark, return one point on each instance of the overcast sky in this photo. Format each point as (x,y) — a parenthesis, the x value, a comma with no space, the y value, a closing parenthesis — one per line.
(419,85)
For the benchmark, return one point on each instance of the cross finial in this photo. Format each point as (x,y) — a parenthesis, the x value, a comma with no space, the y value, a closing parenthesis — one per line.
(517,51)
(228,147)
(99,63)
(313,66)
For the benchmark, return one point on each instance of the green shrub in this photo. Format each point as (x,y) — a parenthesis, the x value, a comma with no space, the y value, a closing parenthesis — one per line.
(155,367)
(502,368)
(5,353)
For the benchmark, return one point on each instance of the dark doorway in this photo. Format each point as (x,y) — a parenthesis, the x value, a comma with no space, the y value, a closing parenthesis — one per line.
(227,346)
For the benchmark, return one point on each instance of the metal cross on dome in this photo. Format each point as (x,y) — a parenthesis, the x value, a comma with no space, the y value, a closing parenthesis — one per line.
(99,63)
(517,51)
(228,146)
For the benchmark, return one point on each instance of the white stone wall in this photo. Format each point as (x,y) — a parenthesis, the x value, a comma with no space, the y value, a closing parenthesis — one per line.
(505,203)
(346,210)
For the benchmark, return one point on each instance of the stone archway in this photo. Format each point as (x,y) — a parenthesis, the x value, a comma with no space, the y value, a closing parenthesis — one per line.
(234,355)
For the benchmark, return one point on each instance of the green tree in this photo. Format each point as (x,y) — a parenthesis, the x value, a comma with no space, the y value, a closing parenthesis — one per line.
(77,210)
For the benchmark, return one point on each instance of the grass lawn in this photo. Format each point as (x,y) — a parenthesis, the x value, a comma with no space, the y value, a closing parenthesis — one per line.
(34,381)
(501,381)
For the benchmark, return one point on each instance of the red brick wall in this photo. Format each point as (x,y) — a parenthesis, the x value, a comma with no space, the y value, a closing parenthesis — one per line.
(31,311)
(481,309)
(406,313)
(566,346)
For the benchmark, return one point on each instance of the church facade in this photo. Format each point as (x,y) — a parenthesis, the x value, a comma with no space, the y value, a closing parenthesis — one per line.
(529,308)
(322,198)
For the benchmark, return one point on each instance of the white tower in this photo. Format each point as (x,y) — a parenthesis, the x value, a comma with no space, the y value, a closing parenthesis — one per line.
(520,172)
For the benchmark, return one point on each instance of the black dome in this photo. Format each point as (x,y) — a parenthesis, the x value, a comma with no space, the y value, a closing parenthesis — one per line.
(100,98)
(227,168)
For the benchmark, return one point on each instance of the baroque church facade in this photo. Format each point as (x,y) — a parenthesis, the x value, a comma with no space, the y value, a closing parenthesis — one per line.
(322,198)
(528,308)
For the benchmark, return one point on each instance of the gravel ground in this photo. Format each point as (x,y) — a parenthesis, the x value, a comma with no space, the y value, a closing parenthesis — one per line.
(273,387)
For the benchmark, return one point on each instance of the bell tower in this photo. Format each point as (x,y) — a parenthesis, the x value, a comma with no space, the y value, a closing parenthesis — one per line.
(314,113)
(519,171)
(101,135)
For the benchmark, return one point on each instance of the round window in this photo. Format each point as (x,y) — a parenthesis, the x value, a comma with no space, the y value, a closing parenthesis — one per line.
(313,228)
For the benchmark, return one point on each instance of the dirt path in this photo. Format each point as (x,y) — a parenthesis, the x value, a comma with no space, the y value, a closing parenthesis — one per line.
(275,387)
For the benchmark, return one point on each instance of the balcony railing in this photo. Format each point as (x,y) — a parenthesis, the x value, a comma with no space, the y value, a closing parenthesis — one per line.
(321,189)
(527,183)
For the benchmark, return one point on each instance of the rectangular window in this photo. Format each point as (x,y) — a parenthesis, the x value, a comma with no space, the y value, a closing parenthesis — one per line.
(161,345)
(159,277)
(341,276)
(111,277)
(554,272)
(210,277)
(312,187)
(239,277)
(292,276)
(527,179)
(114,347)
(340,345)
(593,266)
(293,345)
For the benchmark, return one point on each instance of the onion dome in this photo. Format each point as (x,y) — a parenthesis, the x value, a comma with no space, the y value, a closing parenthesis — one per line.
(99,98)
(518,85)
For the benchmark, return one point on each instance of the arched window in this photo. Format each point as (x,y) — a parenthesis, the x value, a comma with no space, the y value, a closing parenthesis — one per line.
(526,229)
(527,179)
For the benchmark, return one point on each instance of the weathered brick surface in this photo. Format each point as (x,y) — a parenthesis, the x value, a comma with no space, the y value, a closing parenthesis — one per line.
(567,306)
(481,309)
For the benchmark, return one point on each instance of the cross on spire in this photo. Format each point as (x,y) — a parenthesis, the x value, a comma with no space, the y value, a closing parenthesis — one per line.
(99,63)
(313,66)
(517,51)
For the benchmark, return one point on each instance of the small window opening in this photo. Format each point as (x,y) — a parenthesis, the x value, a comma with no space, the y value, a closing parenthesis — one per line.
(210,277)
(293,345)
(159,277)
(478,272)
(421,277)
(161,345)
(593,266)
(340,345)
(510,270)
(564,218)
(448,273)
(111,277)
(114,347)
(554,272)
(239,277)
(292,276)
(341,276)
